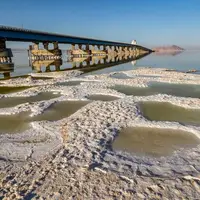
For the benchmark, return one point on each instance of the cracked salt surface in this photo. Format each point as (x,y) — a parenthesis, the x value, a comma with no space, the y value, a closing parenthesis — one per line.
(92,129)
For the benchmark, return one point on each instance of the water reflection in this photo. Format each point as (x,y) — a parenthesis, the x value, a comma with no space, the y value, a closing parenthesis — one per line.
(37,65)
(6,69)
(85,64)
(168,53)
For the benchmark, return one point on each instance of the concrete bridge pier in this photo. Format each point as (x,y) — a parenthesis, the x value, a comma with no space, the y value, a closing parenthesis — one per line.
(121,51)
(35,53)
(73,64)
(80,52)
(88,62)
(108,49)
(5,53)
(99,47)
(57,68)
(137,51)
(117,50)
(72,47)
(57,64)
(46,45)
(92,48)
(131,50)
(97,51)
(6,75)
(48,69)
(55,45)
(80,47)
(87,47)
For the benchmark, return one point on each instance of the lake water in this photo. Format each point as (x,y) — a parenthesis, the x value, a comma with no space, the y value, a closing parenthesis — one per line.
(182,61)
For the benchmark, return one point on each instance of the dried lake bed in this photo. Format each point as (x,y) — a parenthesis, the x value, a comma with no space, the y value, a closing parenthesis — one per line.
(53,156)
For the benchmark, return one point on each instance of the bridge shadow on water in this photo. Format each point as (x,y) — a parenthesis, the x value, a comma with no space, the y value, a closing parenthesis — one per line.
(84,64)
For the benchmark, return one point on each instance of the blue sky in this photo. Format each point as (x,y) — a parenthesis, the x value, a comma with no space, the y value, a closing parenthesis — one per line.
(150,22)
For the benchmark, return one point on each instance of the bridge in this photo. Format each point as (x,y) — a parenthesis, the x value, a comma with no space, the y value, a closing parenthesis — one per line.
(86,46)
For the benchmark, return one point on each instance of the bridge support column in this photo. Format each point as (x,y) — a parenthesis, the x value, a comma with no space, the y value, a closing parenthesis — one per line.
(57,68)
(35,53)
(55,45)
(87,63)
(46,45)
(72,47)
(48,69)
(109,49)
(92,48)
(80,46)
(2,44)
(5,53)
(130,51)
(36,46)
(87,47)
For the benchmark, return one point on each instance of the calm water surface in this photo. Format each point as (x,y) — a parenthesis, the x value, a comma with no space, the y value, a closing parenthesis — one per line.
(21,122)
(158,111)
(183,62)
(181,90)
(154,142)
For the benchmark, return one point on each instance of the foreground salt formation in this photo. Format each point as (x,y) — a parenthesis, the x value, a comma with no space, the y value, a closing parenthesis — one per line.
(73,158)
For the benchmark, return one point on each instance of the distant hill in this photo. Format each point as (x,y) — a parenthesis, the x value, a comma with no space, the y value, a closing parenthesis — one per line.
(168,48)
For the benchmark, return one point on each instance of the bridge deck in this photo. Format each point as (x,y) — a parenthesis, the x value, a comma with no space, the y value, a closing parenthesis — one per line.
(25,35)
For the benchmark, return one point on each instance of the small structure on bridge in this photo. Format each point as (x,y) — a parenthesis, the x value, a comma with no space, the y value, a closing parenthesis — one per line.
(134,42)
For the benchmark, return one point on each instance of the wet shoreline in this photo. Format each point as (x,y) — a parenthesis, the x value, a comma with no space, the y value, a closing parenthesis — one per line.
(84,139)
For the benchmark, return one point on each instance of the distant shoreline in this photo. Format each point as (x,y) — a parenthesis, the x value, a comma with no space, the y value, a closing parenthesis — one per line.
(172,48)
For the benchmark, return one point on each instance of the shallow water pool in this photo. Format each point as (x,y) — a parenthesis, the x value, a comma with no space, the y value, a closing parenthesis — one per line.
(154,142)
(13,101)
(159,111)
(99,97)
(182,90)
